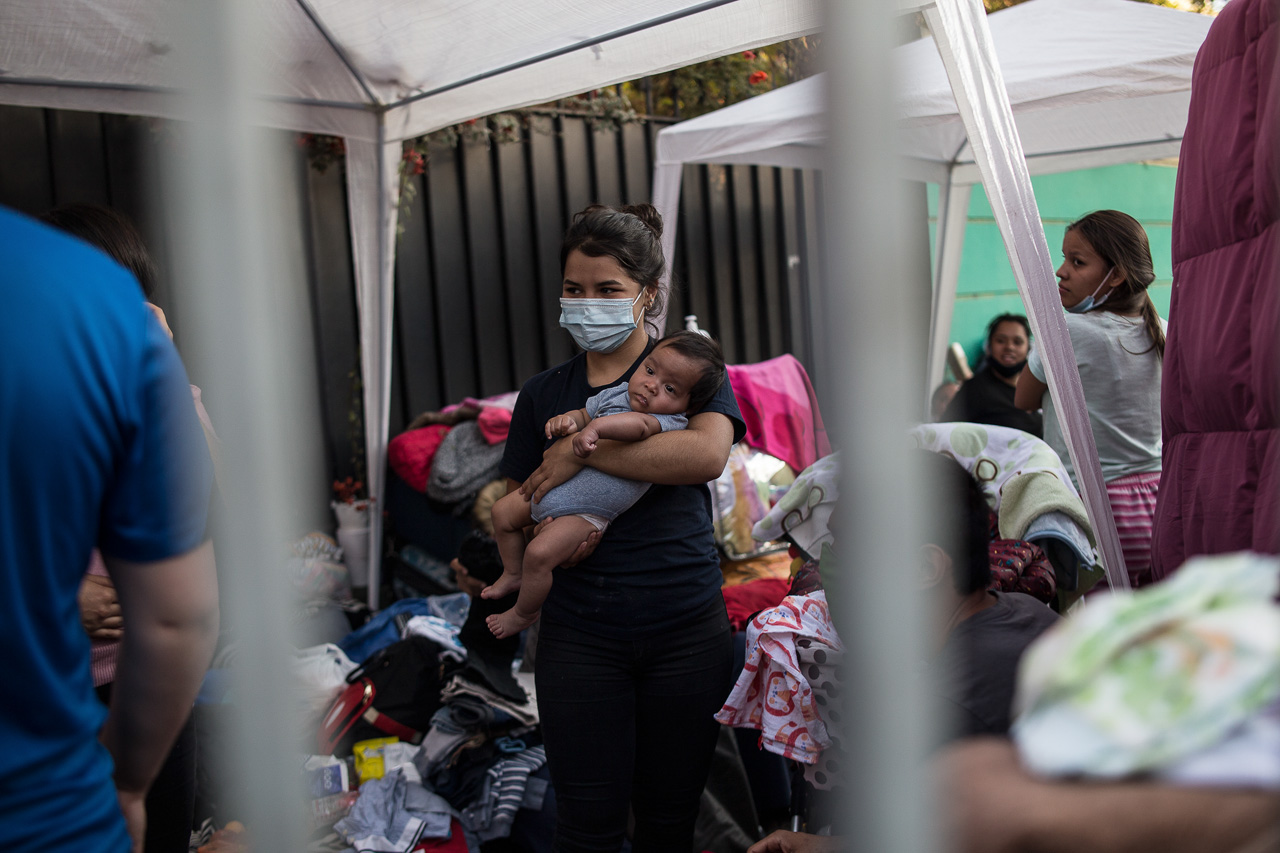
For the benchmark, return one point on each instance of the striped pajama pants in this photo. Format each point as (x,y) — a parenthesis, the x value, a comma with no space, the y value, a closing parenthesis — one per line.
(1133,502)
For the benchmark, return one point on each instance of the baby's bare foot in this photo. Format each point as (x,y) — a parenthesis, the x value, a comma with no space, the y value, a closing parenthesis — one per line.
(509,624)
(502,587)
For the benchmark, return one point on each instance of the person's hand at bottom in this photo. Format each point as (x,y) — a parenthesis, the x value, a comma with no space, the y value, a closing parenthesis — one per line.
(785,841)
(559,464)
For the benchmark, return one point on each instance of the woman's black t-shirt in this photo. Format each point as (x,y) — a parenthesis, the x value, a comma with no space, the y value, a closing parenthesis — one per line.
(657,562)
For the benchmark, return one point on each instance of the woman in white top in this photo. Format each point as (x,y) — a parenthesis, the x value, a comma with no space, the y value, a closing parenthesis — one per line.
(1118,338)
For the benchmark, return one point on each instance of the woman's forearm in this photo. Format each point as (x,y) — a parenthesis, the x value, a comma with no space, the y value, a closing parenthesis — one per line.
(689,456)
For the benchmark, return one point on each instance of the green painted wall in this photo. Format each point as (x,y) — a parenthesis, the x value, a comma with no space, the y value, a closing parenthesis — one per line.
(986,286)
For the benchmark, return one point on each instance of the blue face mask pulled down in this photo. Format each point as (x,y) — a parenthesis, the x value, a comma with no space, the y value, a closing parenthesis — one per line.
(599,325)
(1087,303)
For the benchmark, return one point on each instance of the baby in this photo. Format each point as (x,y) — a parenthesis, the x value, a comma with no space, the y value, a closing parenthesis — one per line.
(680,375)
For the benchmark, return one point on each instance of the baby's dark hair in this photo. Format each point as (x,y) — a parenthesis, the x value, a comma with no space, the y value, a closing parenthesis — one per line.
(705,350)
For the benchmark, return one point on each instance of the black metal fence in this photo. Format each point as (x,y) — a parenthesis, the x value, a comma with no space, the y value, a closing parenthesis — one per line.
(477,272)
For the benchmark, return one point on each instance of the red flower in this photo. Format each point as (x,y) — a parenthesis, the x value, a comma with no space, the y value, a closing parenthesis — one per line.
(471,121)
(757,77)
(748,54)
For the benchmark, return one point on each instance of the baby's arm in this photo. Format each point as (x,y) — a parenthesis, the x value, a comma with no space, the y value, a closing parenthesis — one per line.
(567,424)
(627,426)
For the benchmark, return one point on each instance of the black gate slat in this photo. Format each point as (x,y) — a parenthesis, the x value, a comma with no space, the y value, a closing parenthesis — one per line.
(450,271)
(483,241)
(26,183)
(79,164)
(521,285)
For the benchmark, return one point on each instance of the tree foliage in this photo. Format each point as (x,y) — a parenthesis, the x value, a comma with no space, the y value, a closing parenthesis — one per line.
(707,86)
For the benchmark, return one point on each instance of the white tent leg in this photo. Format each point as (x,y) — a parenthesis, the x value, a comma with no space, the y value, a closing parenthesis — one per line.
(666,198)
(953,217)
(964,41)
(373,197)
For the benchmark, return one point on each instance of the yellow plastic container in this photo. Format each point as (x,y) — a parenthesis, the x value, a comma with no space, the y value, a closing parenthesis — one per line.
(368,754)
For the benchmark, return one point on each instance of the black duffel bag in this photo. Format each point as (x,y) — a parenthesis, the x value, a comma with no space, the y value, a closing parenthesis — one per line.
(392,694)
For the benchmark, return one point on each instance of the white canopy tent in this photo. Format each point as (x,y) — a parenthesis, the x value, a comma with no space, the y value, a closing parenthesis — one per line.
(1089,82)
(1092,83)
(378,72)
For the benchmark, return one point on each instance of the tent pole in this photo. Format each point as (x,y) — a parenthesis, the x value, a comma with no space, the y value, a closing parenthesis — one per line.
(872,362)
(953,217)
(667,178)
(373,194)
(963,36)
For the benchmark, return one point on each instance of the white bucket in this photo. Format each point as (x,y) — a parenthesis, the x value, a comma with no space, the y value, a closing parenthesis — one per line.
(355,553)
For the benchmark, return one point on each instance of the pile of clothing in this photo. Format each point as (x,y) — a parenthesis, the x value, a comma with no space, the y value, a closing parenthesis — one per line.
(451,455)
(450,784)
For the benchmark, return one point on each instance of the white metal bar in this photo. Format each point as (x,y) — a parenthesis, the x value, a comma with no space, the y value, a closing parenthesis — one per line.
(874,366)
(239,270)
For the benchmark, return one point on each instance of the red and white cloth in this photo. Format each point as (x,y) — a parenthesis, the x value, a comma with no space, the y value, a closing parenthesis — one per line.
(772,693)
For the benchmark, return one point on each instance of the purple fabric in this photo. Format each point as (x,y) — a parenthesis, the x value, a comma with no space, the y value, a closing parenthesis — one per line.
(1219,396)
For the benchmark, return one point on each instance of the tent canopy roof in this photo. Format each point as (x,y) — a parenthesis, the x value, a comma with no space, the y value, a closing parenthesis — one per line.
(338,66)
(1092,83)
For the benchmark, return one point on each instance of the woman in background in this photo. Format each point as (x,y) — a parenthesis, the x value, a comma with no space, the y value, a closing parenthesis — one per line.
(1118,339)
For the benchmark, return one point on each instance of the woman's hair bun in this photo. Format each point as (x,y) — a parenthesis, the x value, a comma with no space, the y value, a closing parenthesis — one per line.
(648,214)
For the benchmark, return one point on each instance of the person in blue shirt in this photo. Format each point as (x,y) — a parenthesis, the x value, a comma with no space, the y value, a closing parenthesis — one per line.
(99,446)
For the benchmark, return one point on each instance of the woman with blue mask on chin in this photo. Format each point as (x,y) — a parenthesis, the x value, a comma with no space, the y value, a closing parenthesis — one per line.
(1118,338)
(634,652)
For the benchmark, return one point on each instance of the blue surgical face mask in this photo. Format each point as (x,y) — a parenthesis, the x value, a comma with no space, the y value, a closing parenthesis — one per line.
(1087,303)
(599,325)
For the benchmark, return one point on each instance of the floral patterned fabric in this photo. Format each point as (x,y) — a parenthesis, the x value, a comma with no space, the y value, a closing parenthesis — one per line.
(772,693)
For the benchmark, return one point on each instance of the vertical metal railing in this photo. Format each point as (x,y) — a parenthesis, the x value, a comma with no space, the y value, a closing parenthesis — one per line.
(876,351)
(238,271)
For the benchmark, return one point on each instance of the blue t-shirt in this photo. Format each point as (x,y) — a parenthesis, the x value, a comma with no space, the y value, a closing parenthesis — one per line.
(657,563)
(99,445)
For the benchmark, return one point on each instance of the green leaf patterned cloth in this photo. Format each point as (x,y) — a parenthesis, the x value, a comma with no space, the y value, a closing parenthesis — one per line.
(1139,681)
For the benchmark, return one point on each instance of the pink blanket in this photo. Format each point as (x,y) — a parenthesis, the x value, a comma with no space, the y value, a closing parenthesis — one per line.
(780,410)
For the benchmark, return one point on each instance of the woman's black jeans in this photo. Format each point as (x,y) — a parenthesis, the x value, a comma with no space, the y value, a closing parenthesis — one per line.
(630,723)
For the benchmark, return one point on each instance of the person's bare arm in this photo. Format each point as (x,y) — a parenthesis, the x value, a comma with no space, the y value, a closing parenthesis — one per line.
(689,456)
(567,424)
(171,608)
(995,806)
(1029,393)
(624,426)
